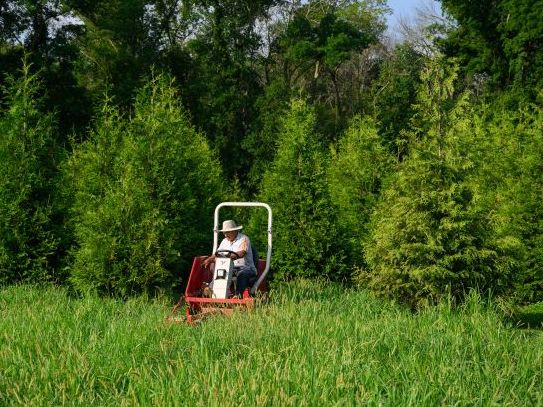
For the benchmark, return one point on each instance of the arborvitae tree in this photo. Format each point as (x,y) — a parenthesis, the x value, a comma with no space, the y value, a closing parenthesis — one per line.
(355,175)
(527,193)
(260,144)
(305,230)
(149,212)
(429,236)
(512,151)
(28,160)
(88,176)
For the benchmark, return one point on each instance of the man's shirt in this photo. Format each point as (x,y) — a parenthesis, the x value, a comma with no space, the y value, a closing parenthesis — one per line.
(241,242)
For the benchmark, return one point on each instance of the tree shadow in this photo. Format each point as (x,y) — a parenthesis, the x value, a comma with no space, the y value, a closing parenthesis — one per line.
(529,319)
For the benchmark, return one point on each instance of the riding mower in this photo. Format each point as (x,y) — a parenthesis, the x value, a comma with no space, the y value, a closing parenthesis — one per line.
(210,289)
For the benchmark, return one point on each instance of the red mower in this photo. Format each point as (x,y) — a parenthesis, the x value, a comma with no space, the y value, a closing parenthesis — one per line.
(210,289)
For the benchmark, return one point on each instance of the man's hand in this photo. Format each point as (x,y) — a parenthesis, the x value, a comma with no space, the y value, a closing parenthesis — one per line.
(208,261)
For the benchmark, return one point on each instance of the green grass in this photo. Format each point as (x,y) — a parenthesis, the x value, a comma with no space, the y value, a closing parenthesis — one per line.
(312,345)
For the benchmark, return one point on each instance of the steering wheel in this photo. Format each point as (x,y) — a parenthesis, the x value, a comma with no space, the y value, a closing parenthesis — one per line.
(225,253)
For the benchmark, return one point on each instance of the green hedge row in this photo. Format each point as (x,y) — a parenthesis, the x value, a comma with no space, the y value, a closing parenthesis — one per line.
(126,209)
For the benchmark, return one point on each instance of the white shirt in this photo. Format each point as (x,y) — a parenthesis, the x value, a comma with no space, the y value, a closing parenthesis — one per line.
(241,242)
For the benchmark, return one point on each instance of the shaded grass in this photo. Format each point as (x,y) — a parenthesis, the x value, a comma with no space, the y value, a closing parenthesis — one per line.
(312,345)
(530,316)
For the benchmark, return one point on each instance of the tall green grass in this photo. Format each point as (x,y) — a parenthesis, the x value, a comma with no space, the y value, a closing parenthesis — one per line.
(311,345)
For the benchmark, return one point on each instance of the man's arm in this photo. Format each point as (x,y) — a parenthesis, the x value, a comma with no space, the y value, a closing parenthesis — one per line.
(208,260)
(243,247)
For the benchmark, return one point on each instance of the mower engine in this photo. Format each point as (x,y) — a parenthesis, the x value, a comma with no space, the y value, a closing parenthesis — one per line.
(222,277)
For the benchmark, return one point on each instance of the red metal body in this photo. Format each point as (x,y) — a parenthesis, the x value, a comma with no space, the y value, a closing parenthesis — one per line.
(198,305)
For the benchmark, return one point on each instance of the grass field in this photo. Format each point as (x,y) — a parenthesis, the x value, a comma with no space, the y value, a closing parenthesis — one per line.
(312,345)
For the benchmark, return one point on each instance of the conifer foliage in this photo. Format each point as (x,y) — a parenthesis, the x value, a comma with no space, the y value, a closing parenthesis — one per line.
(305,228)
(513,157)
(357,169)
(28,167)
(528,194)
(145,210)
(429,237)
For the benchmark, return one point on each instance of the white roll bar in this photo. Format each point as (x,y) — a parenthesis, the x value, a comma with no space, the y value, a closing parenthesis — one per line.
(269,251)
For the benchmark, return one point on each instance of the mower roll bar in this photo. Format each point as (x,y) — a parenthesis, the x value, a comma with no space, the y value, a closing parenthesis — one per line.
(269,251)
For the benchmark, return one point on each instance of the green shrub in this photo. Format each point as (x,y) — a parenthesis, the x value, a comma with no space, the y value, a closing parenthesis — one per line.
(305,228)
(28,156)
(430,237)
(512,152)
(146,208)
(355,175)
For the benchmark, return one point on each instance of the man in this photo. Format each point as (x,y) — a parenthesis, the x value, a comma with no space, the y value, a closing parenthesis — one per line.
(240,246)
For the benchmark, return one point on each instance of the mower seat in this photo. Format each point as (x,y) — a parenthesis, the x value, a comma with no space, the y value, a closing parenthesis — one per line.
(253,279)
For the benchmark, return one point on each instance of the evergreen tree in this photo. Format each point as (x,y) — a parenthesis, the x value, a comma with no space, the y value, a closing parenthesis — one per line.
(305,229)
(260,144)
(527,193)
(429,236)
(512,153)
(89,173)
(147,209)
(355,175)
(29,157)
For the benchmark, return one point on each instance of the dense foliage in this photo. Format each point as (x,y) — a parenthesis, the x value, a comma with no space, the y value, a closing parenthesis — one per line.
(429,237)
(28,156)
(356,171)
(500,39)
(295,186)
(143,192)
(511,144)
(416,170)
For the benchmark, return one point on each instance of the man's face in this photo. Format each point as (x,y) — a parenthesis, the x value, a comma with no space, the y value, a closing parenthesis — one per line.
(230,236)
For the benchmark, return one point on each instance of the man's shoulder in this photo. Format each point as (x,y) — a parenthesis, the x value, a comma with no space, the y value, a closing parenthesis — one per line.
(242,236)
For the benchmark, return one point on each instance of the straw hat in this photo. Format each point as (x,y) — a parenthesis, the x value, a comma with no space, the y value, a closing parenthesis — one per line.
(229,226)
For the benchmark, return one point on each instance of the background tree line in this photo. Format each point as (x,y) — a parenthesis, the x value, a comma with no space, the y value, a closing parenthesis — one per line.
(415,173)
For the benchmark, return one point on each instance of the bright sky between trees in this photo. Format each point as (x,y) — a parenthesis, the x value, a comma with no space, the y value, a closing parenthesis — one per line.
(408,12)
(408,9)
